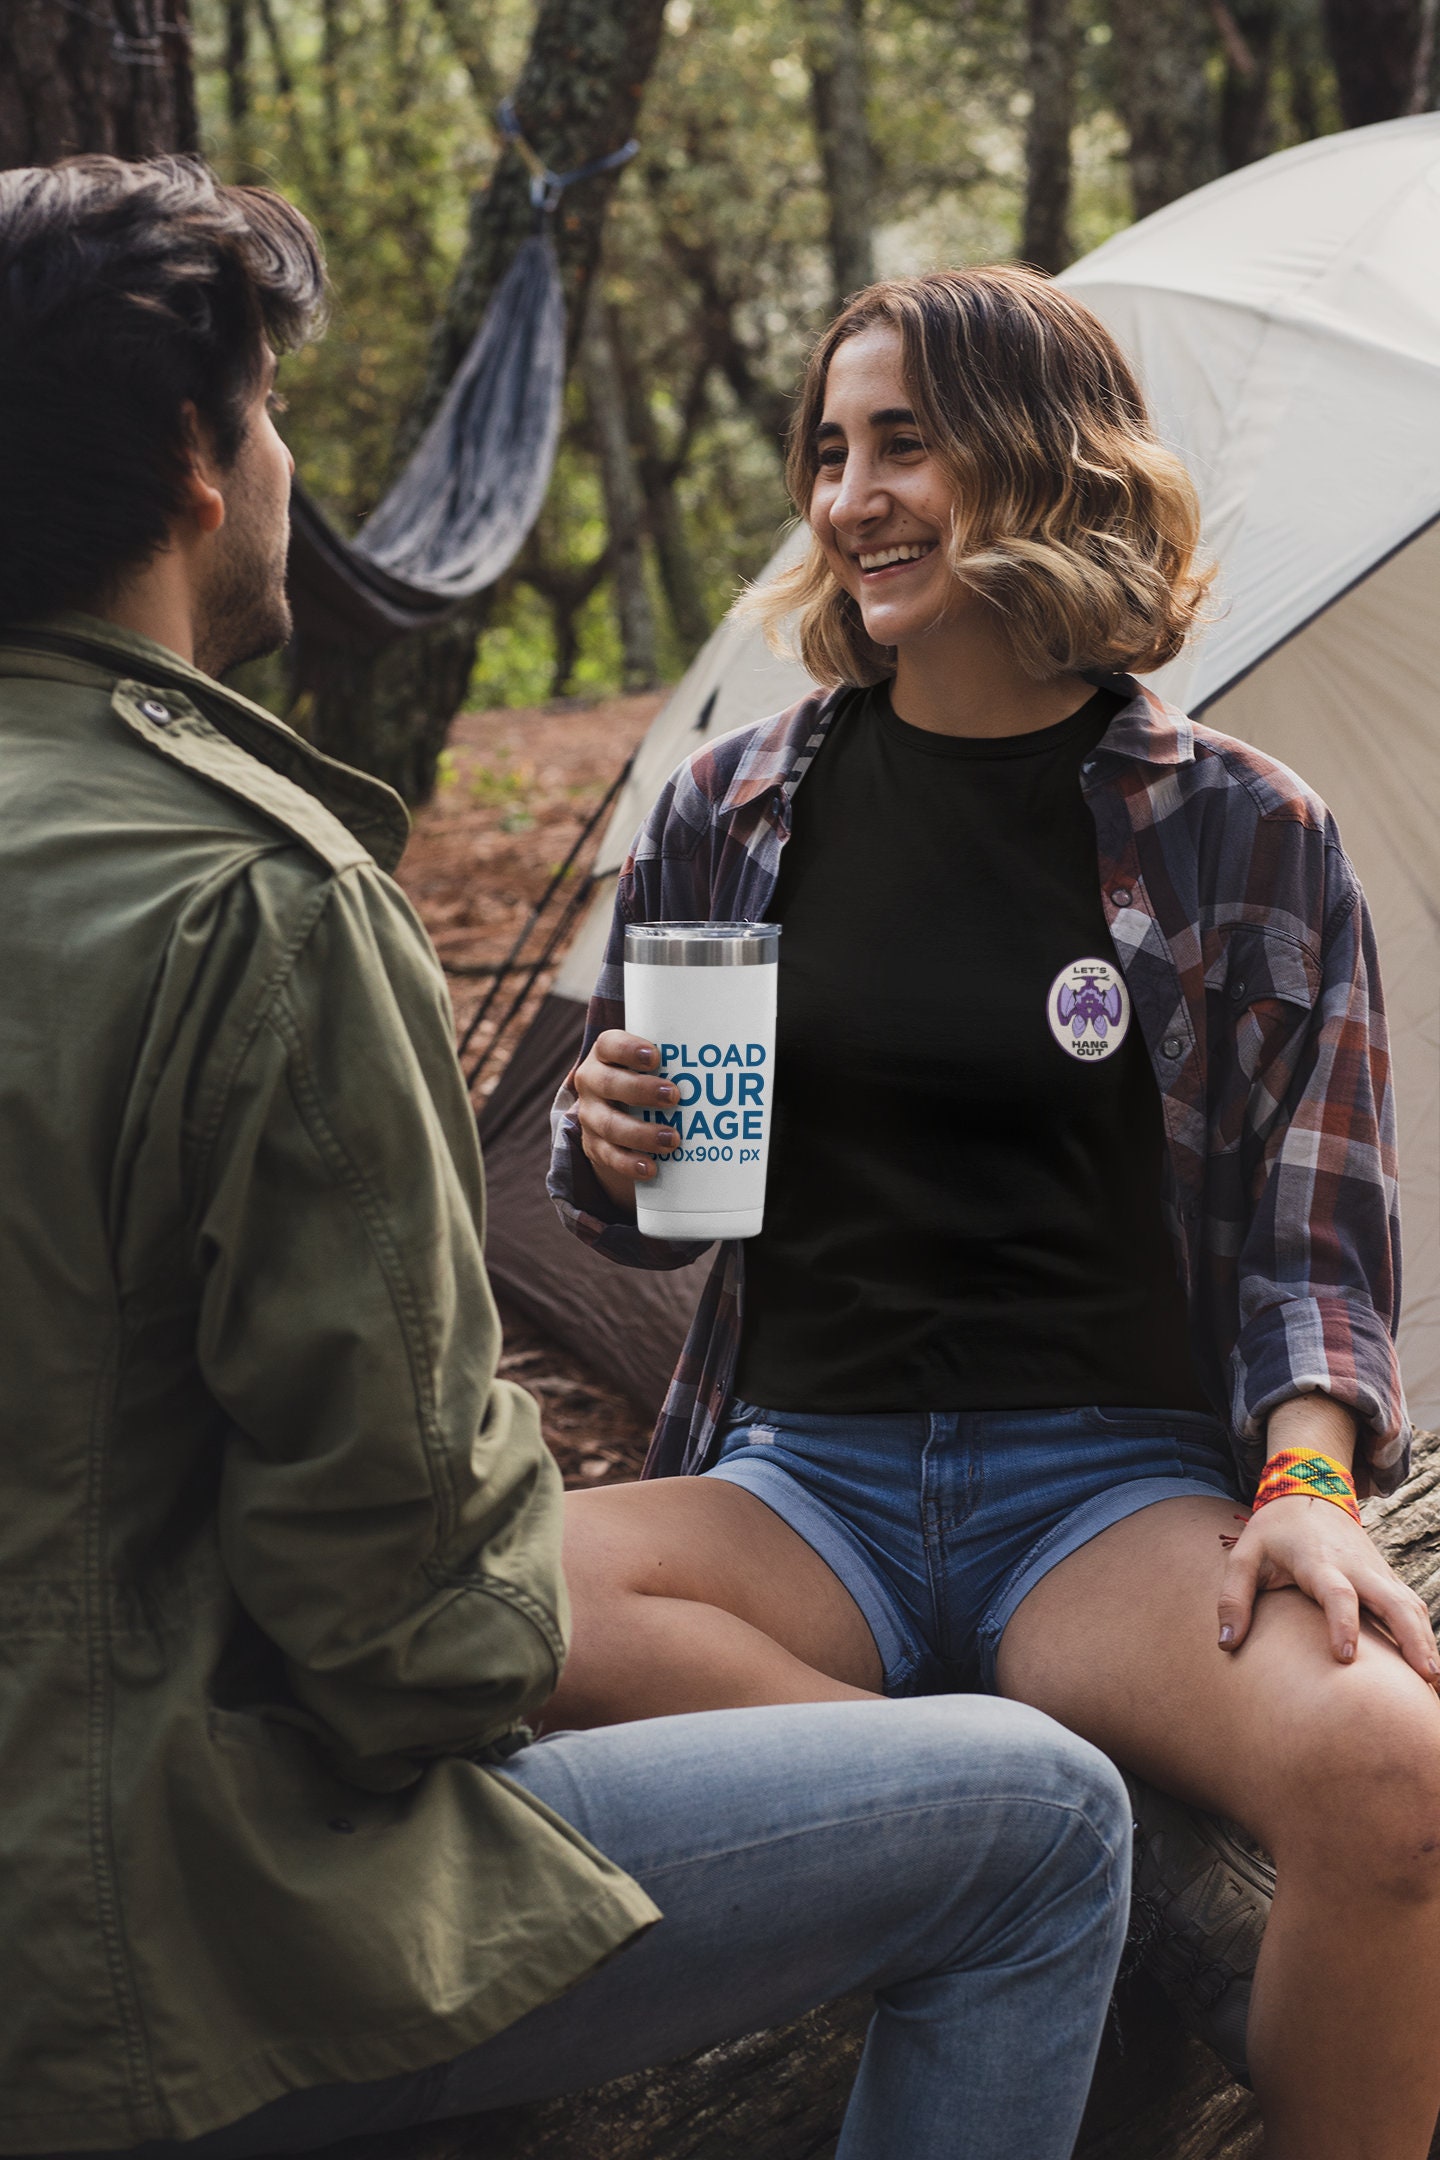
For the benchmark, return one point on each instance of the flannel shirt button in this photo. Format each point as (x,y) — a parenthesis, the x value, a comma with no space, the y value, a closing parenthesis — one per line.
(1121,896)
(154,710)
(1237,990)
(1087,765)
(1171,1047)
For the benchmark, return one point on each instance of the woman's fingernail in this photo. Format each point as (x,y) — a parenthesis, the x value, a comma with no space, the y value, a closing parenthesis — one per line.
(644,1056)
(669,1094)
(643,1167)
(1435,1668)
(1347,1653)
(1227,1636)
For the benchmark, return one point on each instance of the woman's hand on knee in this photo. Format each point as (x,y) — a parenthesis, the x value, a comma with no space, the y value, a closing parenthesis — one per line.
(620,1075)
(1311,1545)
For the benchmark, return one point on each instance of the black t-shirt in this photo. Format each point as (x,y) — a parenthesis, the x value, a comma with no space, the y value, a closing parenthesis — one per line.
(964,1198)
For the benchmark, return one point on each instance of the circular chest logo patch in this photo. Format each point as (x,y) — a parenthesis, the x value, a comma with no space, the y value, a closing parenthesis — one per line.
(1089,1009)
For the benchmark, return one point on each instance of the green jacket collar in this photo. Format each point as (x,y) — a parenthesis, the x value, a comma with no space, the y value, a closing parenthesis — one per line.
(369,809)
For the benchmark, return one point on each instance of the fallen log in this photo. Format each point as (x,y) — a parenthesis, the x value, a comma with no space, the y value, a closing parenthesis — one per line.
(1158,2093)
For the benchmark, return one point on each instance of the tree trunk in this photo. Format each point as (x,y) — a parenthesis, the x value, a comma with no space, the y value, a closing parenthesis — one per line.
(578,96)
(1304,65)
(280,66)
(716,336)
(467,33)
(835,50)
(1375,45)
(330,42)
(674,556)
(1249,29)
(1045,239)
(113,75)
(564,588)
(237,61)
(1426,50)
(564,598)
(675,560)
(567,647)
(1162,50)
(624,509)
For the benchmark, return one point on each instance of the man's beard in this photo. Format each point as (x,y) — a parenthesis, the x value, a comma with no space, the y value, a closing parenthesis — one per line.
(246,611)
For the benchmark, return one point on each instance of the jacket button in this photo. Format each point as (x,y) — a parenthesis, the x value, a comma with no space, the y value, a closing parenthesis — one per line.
(342,1823)
(1121,896)
(154,710)
(1088,765)
(1237,990)
(1171,1047)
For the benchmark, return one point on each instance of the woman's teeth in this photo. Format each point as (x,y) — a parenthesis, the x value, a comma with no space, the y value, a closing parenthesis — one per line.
(883,557)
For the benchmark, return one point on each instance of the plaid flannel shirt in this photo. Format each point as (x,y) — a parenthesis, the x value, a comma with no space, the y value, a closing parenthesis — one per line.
(1249,955)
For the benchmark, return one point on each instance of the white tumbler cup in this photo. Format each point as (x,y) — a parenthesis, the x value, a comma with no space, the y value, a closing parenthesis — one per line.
(705,993)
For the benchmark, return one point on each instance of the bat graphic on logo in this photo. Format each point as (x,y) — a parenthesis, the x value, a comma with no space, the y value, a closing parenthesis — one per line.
(1089,1006)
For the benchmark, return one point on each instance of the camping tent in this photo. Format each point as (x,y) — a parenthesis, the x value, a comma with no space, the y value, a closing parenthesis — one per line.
(1286,323)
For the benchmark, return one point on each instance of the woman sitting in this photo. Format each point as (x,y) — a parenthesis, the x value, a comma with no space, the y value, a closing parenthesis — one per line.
(1081,1193)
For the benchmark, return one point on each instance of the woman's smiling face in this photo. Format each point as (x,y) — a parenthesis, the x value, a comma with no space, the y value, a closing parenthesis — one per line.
(880,506)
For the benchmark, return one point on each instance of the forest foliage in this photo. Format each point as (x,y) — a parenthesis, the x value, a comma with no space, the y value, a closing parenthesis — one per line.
(719,267)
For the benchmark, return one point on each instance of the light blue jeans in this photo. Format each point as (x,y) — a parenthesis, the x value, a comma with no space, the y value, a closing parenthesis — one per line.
(965,1858)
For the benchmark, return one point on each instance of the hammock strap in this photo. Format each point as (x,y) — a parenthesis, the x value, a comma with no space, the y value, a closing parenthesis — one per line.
(546,187)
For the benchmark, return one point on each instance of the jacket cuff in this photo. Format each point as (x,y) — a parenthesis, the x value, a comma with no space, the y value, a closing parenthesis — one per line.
(1333,1346)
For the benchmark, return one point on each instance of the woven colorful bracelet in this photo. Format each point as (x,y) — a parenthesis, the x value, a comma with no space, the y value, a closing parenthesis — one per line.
(1313,1475)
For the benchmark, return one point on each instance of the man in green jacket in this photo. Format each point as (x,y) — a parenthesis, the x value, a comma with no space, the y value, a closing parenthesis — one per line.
(279,1575)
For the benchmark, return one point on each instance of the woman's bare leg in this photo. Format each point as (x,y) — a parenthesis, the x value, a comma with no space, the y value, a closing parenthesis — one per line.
(691,1594)
(1336,1768)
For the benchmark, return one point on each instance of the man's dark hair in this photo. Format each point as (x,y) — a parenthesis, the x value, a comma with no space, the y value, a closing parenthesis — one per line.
(126,290)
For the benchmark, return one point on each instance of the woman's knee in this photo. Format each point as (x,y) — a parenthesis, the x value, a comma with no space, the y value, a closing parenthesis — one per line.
(1359,1796)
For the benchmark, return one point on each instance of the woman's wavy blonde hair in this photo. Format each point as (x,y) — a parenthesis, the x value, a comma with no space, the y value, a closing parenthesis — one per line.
(1071,517)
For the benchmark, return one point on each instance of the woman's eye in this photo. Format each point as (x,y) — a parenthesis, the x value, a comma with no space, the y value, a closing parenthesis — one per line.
(905,445)
(832,457)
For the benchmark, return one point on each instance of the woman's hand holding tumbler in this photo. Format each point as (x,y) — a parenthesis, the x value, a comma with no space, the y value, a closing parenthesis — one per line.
(622,1073)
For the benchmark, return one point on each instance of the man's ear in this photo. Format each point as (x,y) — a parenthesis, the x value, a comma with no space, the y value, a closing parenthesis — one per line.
(202,501)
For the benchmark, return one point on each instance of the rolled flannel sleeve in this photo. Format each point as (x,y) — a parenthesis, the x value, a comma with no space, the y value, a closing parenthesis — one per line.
(389,1514)
(583,1205)
(1319,1269)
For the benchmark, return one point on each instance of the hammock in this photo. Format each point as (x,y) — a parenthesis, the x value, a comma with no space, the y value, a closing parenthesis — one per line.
(458,514)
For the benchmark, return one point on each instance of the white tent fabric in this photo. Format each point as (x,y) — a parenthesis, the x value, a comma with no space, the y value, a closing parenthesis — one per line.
(1352,703)
(1286,325)
(1285,322)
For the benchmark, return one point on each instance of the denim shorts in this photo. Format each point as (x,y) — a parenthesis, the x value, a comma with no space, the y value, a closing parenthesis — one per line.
(938,1522)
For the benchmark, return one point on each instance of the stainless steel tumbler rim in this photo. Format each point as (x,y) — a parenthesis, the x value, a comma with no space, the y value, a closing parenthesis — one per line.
(701,944)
